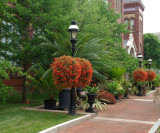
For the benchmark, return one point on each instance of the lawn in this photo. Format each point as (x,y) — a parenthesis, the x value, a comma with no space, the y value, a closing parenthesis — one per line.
(14,119)
(158,130)
(149,91)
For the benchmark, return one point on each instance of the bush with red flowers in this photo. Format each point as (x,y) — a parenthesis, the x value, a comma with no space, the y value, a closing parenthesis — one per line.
(66,72)
(86,72)
(151,75)
(106,97)
(139,75)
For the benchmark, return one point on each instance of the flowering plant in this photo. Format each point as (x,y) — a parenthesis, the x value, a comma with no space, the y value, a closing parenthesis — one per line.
(139,75)
(86,72)
(151,75)
(66,72)
(106,97)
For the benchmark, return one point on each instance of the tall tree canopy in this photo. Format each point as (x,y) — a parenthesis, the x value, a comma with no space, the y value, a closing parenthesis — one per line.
(152,49)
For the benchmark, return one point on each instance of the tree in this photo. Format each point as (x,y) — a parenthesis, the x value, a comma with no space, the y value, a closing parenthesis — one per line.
(22,21)
(94,17)
(152,49)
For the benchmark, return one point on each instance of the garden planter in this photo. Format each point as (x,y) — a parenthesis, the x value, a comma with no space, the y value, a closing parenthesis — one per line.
(140,93)
(50,104)
(118,97)
(64,99)
(91,101)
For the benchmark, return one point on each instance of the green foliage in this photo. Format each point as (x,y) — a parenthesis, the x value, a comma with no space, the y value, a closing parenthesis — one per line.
(93,17)
(5,69)
(152,43)
(91,90)
(157,80)
(98,105)
(120,89)
(112,87)
(41,80)
(116,73)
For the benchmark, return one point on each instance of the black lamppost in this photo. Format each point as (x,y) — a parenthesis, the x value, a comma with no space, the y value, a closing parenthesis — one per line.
(73,30)
(140,59)
(149,63)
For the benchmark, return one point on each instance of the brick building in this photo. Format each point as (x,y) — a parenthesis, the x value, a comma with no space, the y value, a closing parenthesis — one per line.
(132,14)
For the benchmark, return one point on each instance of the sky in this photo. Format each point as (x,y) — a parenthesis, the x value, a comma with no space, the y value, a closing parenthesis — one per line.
(151,21)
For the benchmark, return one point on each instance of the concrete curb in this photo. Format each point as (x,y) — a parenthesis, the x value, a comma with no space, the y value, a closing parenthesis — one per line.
(151,92)
(56,128)
(67,124)
(155,127)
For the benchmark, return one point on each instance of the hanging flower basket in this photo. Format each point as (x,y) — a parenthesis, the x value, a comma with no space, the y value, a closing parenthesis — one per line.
(66,72)
(139,75)
(86,72)
(151,75)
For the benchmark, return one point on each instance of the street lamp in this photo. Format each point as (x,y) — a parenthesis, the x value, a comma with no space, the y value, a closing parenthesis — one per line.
(140,59)
(73,30)
(149,62)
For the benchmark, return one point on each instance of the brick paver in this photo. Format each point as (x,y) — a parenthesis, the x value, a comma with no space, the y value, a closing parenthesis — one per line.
(125,109)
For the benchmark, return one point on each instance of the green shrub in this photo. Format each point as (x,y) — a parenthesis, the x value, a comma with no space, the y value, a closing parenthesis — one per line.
(157,80)
(117,72)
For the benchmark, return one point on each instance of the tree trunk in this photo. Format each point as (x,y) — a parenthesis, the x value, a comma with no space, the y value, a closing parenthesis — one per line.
(24,86)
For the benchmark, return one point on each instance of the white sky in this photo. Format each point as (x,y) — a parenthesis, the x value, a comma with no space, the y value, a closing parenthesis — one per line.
(151,22)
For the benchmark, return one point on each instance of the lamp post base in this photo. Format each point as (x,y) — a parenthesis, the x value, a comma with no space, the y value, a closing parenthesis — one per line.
(72,107)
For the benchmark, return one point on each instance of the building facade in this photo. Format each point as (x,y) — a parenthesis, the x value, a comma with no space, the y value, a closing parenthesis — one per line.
(132,14)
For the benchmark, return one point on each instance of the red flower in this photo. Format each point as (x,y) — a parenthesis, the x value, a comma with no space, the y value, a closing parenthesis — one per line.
(151,75)
(66,72)
(139,75)
(86,72)
(106,97)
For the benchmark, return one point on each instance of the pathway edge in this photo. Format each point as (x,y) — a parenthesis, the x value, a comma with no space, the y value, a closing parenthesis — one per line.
(155,127)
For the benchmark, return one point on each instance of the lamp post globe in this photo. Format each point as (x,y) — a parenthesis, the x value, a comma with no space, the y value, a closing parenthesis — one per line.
(73,30)
(140,59)
(150,62)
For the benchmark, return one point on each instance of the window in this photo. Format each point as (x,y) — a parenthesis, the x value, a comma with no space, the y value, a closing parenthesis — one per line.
(132,25)
(118,6)
(126,22)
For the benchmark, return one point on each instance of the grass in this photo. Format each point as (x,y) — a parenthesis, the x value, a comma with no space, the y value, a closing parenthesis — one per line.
(13,119)
(149,91)
(158,130)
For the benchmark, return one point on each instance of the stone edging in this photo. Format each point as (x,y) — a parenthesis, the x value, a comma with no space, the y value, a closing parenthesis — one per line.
(155,127)
(67,124)
(151,92)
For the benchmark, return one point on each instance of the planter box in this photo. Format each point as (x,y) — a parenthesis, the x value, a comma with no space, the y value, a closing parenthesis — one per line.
(50,104)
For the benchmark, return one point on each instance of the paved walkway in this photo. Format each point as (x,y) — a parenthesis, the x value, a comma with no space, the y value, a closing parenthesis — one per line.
(137,114)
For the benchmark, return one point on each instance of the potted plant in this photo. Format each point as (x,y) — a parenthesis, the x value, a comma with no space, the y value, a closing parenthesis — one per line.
(120,92)
(150,77)
(91,94)
(139,76)
(70,72)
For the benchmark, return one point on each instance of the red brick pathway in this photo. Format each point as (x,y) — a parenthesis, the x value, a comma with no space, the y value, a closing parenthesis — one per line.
(126,109)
